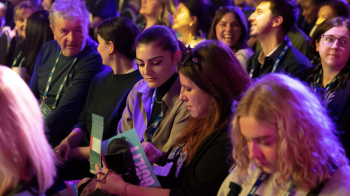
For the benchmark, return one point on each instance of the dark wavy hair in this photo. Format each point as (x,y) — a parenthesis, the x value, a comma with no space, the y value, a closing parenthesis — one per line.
(316,37)
(242,42)
(37,33)
(223,78)
(122,32)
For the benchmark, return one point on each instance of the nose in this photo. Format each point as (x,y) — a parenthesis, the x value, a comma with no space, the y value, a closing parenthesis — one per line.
(70,37)
(251,17)
(148,69)
(335,44)
(254,150)
(304,12)
(182,96)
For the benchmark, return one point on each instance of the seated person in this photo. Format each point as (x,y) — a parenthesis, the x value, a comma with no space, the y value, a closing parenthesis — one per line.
(271,22)
(64,69)
(14,55)
(285,144)
(201,155)
(154,12)
(230,27)
(191,20)
(330,79)
(27,163)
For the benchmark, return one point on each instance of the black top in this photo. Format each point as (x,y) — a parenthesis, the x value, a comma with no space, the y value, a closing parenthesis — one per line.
(338,103)
(292,62)
(73,96)
(207,170)
(107,98)
(161,91)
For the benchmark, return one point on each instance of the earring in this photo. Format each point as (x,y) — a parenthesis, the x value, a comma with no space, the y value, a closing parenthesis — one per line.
(191,24)
(213,103)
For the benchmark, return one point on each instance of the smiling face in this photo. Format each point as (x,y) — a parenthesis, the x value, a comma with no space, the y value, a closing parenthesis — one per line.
(334,55)
(182,18)
(262,142)
(21,18)
(149,7)
(156,65)
(228,30)
(198,102)
(261,20)
(70,35)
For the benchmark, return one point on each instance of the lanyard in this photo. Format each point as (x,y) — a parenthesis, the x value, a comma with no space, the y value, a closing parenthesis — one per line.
(156,122)
(260,179)
(62,84)
(16,59)
(277,61)
(318,81)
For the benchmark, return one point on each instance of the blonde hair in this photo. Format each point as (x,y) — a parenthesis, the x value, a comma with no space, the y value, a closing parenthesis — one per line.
(24,5)
(308,148)
(24,149)
(164,13)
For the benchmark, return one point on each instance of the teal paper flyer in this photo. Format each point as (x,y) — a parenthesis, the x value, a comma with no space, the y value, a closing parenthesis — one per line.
(143,170)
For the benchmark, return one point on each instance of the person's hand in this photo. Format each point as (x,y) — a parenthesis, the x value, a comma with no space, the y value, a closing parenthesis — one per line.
(62,151)
(152,153)
(109,182)
(90,188)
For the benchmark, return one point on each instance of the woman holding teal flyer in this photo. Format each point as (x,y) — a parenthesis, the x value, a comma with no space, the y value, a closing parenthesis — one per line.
(200,157)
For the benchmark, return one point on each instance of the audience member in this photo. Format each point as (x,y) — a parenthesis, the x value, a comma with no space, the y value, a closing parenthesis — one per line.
(152,107)
(285,144)
(330,79)
(191,21)
(14,56)
(201,155)
(155,12)
(230,27)
(46,4)
(107,95)
(37,33)
(332,9)
(64,69)
(27,162)
(310,10)
(271,22)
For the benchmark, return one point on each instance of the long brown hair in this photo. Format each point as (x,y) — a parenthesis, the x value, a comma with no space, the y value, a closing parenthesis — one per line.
(224,79)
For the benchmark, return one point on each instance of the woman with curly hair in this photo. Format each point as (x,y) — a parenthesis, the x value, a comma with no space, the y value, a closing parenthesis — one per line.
(285,144)
(330,79)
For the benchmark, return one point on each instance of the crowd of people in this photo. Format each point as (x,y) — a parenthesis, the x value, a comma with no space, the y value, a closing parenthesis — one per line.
(239,97)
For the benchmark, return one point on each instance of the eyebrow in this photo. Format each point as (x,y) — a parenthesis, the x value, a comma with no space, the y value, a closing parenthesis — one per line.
(260,138)
(149,59)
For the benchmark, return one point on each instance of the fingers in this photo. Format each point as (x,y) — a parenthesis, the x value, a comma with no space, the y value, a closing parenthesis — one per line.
(82,182)
(97,168)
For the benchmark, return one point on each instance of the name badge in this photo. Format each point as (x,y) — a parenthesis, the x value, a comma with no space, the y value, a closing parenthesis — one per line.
(45,110)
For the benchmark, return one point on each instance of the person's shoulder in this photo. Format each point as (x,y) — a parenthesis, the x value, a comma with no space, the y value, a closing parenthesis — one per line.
(103,74)
(298,57)
(339,184)
(305,73)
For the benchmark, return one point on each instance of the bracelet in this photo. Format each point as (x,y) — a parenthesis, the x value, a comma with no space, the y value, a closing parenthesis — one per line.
(124,192)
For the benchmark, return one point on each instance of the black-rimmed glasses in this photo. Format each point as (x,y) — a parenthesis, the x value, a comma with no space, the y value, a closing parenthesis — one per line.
(330,39)
(104,175)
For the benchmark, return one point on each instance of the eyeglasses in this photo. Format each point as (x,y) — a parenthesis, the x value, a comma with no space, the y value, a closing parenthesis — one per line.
(104,175)
(330,39)
(189,53)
